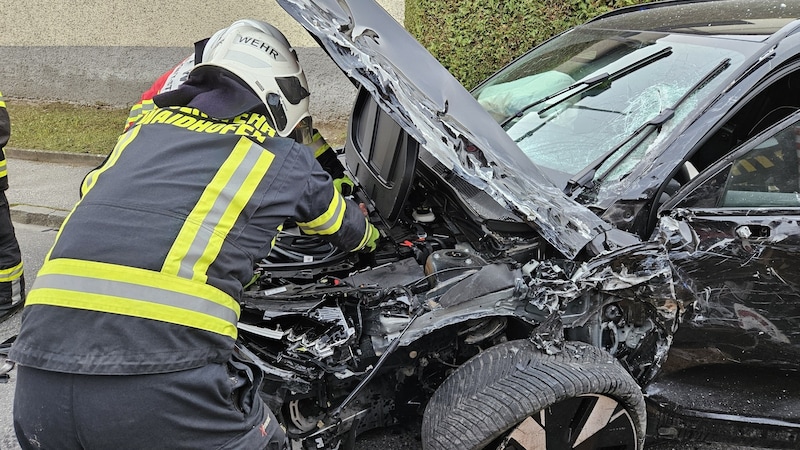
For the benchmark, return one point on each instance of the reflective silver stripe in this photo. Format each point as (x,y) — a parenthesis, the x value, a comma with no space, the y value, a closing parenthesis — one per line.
(16,291)
(201,239)
(131,291)
(92,285)
(332,224)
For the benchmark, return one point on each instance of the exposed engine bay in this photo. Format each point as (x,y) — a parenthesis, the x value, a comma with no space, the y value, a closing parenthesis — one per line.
(354,341)
(325,322)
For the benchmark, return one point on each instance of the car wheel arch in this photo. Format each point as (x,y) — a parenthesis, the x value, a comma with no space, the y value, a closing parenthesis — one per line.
(529,381)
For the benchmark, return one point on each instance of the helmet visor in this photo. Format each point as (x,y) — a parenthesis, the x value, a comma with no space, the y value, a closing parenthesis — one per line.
(292,89)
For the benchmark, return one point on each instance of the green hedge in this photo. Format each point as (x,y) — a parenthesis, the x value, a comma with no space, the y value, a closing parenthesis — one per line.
(475,38)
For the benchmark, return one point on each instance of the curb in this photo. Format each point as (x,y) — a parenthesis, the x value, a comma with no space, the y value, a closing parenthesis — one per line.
(38,215)
(42,215)
(81,159)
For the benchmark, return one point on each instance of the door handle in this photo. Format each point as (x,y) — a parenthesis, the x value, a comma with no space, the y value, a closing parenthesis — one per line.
(753,232)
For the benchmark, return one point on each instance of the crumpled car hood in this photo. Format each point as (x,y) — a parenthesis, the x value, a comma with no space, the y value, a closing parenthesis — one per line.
(435,109)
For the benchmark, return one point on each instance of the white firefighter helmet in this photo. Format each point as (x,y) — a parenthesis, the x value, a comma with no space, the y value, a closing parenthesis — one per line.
(262,58)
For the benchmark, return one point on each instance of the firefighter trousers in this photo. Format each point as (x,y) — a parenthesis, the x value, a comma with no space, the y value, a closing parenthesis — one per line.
(212,407)
(12,282)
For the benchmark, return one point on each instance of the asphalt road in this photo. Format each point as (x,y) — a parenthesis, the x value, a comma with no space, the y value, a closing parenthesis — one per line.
(35,241)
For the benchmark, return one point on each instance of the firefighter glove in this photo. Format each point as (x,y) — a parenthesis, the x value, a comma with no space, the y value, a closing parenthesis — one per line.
(344,185)
(372,240)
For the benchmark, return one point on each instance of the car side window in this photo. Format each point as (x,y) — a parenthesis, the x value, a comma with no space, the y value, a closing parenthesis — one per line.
(771,105)
(763,173)
(767,175)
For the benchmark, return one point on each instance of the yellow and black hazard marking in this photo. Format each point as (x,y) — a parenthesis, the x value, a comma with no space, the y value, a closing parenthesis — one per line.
(758,162)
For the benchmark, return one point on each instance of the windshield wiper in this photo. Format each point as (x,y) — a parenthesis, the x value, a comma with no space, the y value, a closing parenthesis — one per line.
(584,178)
(584,85)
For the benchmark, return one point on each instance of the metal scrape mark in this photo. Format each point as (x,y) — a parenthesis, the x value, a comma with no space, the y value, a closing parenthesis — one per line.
(750,319)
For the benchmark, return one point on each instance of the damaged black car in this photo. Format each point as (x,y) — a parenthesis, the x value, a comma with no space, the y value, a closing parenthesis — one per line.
(596,248)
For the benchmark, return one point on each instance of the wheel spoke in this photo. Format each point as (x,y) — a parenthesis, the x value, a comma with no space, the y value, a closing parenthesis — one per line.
(529,435)
(599,417)
(586,422)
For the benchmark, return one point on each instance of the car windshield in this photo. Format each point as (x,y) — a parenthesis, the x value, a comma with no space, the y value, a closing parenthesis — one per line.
(583,95)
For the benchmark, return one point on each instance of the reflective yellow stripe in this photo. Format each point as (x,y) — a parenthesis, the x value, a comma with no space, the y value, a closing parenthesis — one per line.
(366,235)
(275,238)
(3,169)
(328,222)
(134,292)
(11,274)
(2,102)
(318,144)
(205,229)
(139,110)
(122,142)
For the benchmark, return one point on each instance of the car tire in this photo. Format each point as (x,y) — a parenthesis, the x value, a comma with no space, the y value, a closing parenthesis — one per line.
(513,396)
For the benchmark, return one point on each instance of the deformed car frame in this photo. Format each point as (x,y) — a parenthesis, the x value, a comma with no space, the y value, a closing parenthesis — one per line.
(569,248)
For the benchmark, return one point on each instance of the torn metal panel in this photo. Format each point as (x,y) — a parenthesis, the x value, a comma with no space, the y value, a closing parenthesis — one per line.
(605,296)
(641,273)
(743,268)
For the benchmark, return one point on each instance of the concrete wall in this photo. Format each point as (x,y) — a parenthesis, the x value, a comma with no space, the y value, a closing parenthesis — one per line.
(109,51)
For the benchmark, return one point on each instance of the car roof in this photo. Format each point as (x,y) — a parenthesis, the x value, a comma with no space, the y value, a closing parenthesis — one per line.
(733,18)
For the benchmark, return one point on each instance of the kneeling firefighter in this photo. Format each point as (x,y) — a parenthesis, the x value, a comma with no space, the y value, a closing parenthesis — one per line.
(128,333)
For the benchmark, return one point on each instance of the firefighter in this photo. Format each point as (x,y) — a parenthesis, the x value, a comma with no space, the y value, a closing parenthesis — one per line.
(305,133)
(12,281)
(128,334)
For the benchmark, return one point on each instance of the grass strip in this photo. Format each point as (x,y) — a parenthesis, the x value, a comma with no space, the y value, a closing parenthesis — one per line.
(64,127)
(73,128)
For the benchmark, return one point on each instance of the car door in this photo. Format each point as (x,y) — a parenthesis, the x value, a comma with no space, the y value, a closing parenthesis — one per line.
(741,219)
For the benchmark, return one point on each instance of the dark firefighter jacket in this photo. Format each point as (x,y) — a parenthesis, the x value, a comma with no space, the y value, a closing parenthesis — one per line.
(145,274)
(5,134)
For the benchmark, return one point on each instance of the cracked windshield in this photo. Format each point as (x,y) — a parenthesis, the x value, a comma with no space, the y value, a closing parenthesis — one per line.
(585,106)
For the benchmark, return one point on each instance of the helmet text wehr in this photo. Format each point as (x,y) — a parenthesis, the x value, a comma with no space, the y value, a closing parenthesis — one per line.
(260,45)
